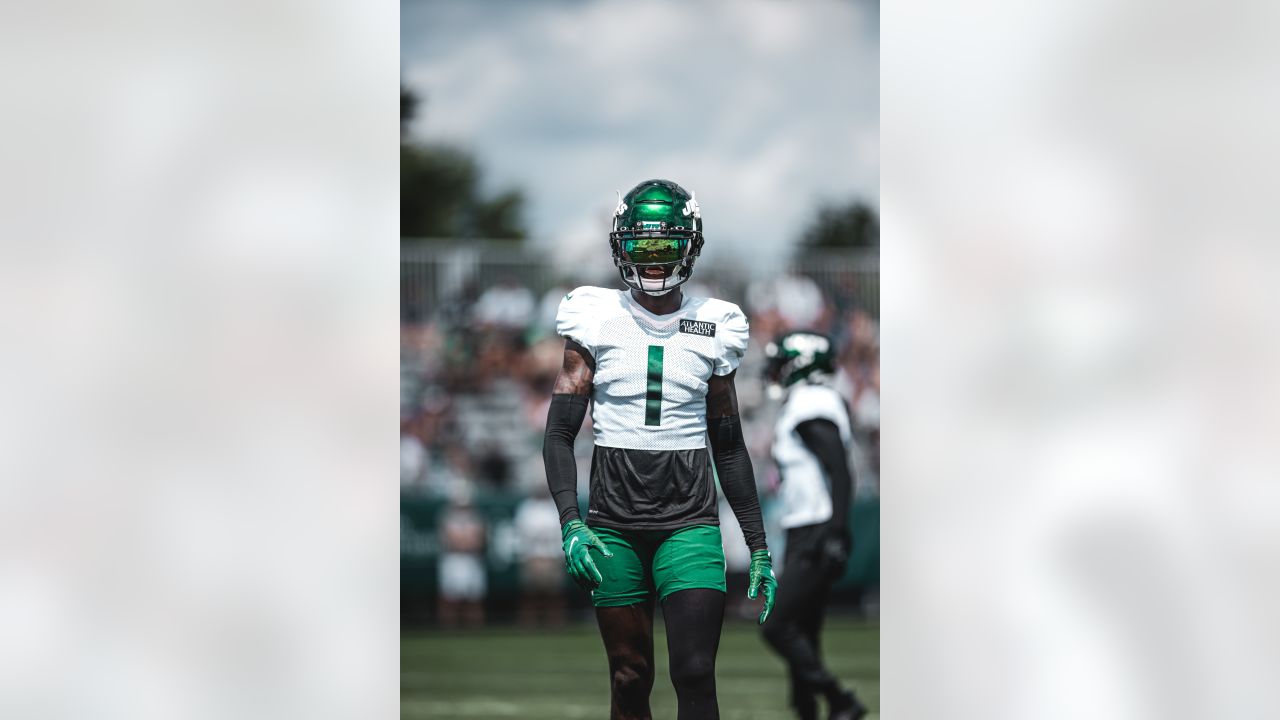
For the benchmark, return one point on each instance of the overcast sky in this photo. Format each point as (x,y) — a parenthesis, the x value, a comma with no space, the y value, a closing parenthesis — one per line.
(762,107)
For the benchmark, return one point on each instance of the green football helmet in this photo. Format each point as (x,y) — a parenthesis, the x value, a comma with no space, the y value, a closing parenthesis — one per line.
(798,355)
(657,234)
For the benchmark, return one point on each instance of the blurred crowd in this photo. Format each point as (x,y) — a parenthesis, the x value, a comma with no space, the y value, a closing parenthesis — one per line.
(476,379)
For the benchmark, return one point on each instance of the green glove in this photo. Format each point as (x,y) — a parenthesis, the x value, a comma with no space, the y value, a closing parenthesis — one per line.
(578,538)
(761,578)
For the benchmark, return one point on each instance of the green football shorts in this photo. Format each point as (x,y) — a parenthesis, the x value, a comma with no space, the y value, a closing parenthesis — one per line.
(661,561)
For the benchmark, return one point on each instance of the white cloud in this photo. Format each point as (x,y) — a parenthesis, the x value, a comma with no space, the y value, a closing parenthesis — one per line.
(764,108)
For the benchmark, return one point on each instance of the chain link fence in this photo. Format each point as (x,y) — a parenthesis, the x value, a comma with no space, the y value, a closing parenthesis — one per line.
(434,272)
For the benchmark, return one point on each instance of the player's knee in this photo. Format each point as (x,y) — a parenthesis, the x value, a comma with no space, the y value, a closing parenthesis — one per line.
(631,679)
(693,669)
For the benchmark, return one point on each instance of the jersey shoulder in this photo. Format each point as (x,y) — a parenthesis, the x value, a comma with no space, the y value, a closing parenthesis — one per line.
(714,310)
(815,402)
(728,325)
(590,297)
(580,312)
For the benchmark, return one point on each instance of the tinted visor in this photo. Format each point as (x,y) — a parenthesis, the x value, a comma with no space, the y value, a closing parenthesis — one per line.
(647,250)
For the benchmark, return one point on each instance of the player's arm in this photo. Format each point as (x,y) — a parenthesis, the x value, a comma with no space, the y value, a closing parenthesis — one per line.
(822,438)
(738,481)
(568,408)
(733,463)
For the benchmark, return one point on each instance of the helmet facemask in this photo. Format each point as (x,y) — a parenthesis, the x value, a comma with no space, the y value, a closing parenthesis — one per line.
(654,262)
(657,235)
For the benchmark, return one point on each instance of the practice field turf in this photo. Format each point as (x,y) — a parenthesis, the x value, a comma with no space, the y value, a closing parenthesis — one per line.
(553,675)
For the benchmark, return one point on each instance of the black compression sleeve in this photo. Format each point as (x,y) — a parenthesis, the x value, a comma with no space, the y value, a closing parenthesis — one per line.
(822,437)
(733,466)
(564,419)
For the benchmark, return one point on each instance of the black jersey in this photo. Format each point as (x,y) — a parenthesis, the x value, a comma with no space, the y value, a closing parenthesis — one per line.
(651,489)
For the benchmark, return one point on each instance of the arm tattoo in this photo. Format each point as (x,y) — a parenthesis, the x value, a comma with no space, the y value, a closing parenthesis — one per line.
(577,372)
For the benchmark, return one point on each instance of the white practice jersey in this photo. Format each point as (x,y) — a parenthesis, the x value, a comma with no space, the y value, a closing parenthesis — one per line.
(651,370)
(806,489)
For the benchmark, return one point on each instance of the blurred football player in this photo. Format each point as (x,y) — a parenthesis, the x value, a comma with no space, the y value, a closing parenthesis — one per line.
(658,366)
(810,447)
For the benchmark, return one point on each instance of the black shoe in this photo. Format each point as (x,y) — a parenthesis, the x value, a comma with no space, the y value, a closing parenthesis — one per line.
(845,706)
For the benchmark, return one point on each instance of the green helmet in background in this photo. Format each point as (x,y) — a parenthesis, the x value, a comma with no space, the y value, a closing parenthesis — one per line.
(657,234)
(799,355)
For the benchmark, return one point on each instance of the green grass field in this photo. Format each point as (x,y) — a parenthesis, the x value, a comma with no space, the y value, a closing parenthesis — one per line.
(553,675)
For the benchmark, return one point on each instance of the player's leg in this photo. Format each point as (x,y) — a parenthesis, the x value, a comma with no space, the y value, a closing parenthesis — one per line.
(844,705)
(624,611)
(788,632)
(694,618)
(628,641)
(802,698)
(688,573)
(791,631)
(811,625)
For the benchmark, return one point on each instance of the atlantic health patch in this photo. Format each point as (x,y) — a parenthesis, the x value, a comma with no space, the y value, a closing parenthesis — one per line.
(698,327)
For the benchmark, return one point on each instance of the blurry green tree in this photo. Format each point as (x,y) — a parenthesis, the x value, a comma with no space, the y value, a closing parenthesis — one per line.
(853,224)
(440,195)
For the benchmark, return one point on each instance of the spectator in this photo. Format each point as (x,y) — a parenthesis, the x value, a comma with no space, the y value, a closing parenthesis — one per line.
(537,524)
(476,376)
(737,561)
(413,456)
(794,299)
(463,584)
(492,465)
(866,419)
(548,306)
(506,306)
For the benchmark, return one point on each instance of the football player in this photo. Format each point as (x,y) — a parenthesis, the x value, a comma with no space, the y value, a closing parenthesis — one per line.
(810,447)
(658,367)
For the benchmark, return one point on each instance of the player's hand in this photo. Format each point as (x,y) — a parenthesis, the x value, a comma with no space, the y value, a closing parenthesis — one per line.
(761,580)
(578,541)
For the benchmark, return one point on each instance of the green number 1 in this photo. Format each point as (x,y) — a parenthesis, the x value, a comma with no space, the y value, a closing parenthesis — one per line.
(653,391)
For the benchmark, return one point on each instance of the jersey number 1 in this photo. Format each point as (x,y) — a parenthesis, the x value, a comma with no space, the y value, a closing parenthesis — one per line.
(653,390)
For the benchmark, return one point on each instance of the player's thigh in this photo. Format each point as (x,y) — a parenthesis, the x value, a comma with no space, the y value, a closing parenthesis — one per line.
(689,558)
(625,578)
(821,598)
(627,632)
